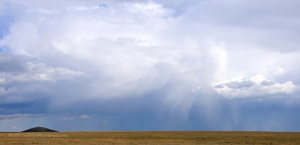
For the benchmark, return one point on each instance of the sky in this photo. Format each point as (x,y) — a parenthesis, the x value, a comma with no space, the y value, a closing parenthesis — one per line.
(144,65)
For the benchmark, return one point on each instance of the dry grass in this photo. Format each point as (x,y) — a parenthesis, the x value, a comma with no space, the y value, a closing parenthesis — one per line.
(152,137)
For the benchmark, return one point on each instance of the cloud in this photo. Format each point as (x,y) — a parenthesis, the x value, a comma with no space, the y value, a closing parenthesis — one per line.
(85,117)
(40,72)
(123,54)
(22,81)
(149,9)
(68,118)
(13,69)
(11,63)
(256,86)
(168,59)
(18,116)
(237,84)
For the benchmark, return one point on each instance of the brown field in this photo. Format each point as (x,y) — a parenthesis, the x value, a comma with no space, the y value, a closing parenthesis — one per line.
(152,137)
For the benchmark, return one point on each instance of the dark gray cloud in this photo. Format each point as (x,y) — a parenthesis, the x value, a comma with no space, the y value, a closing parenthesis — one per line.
(267,83)
(244,83)
(11,63)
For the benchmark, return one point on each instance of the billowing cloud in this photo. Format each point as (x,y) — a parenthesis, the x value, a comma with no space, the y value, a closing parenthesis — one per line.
(125,55)
(85,116)
(40,72)
(257,86)
(14,69)
(172,60)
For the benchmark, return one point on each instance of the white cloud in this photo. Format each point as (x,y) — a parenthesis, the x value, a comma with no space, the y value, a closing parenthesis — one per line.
(131,49)
(2,80)
(85,116)
(149,9)
(130,56)
(39,72)
(114,44)
(257,86)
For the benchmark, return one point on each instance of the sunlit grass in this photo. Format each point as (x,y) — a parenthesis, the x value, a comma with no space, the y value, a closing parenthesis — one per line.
(152,137)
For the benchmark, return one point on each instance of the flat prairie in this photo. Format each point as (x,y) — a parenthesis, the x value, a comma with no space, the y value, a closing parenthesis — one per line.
(151,137)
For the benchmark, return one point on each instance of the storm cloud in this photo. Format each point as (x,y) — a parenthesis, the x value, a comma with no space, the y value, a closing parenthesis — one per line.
(150,65)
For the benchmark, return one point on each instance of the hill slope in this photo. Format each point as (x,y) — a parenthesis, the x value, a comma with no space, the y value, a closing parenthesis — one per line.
(39,129)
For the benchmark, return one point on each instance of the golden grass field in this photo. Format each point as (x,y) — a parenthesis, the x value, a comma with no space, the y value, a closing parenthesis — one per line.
(151,137)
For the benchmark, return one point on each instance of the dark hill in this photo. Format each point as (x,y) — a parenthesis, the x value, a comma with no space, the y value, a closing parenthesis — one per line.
(39,129)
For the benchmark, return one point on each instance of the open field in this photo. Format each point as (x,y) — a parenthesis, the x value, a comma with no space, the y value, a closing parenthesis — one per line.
(152,137)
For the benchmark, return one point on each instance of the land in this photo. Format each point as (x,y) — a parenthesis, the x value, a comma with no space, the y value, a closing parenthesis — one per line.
(151,137)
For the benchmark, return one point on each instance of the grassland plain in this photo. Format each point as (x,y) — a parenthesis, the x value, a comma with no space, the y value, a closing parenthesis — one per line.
(151,137)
